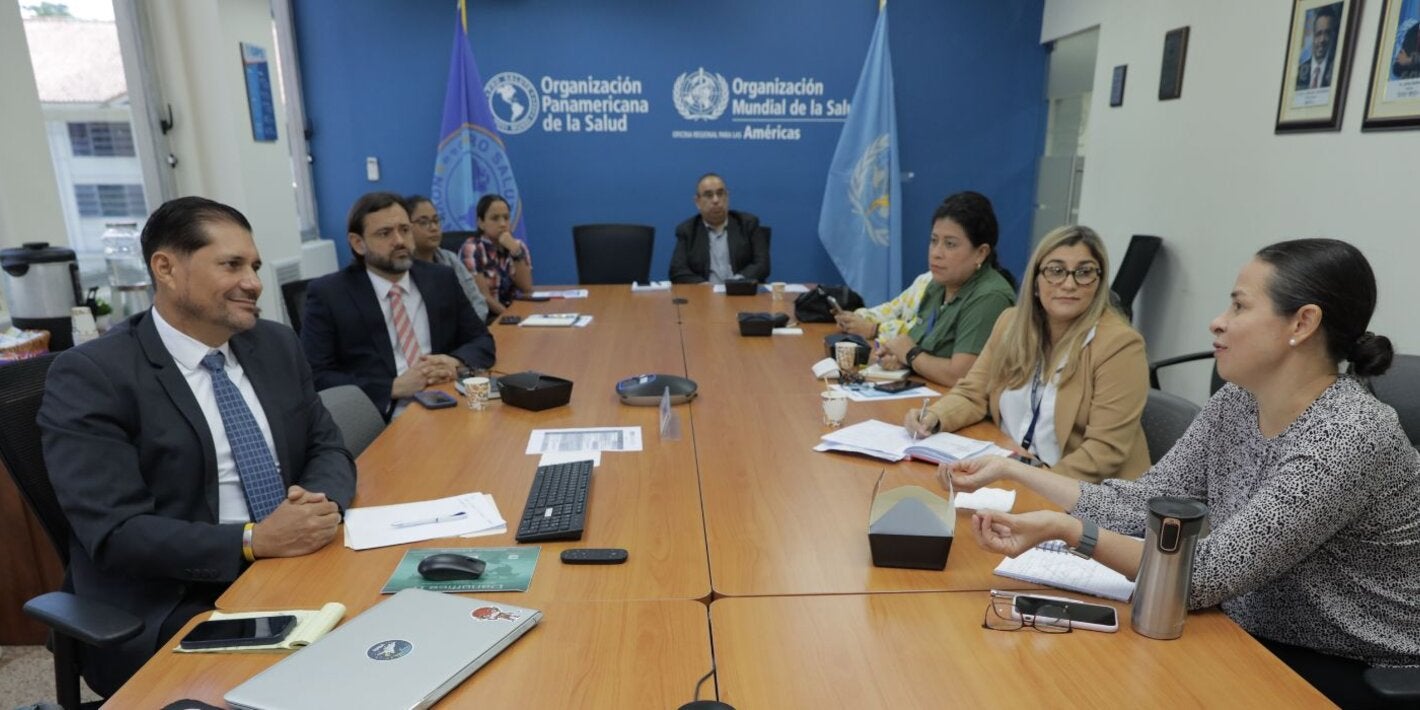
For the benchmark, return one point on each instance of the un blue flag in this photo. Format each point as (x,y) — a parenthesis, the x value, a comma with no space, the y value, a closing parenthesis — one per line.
(861,221)
(472,160)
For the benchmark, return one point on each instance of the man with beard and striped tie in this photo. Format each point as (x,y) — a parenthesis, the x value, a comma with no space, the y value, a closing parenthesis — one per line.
(388,322)
(189,441)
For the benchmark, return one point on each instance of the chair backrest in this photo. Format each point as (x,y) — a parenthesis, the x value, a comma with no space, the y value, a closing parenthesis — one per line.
(613,253)
(1400,388)
(359,419)
(1166,417)
(21,391)
(294,292)
(453,241)
(1132,270)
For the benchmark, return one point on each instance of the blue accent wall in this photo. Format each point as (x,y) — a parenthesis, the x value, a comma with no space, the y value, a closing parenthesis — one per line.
(969,76)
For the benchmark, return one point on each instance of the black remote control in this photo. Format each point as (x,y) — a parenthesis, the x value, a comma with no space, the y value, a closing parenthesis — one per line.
(594,556)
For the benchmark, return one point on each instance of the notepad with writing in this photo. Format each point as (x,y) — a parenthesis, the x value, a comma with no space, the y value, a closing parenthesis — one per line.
(891,442)
(1050,564)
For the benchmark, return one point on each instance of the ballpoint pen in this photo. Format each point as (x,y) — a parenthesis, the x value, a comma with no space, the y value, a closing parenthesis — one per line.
(921,415)
(429,521)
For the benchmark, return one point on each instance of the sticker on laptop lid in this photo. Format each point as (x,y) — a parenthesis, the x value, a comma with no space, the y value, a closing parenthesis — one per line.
(493,613)
(390,650)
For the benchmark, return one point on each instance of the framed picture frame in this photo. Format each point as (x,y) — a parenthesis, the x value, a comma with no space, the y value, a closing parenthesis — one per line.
(1393,96)
(1317,65)
(1116,85)
(1171,68)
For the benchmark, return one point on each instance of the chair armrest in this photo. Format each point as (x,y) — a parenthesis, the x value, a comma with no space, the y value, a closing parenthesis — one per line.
(1157,364)
(1395,683)
(92,622)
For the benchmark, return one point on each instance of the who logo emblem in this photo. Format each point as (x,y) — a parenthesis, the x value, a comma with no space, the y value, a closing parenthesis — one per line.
(869,191)
(513,101)
(700,95)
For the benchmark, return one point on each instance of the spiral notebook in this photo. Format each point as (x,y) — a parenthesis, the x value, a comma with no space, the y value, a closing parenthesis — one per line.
(1049,563)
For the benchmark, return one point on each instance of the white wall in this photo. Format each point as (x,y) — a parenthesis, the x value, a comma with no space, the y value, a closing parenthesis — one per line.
(29,198)
(1207,173)
(198,63)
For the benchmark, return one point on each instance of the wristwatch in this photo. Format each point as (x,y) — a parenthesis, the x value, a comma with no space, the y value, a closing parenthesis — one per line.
(522,254)
(1089,536)
(912,355)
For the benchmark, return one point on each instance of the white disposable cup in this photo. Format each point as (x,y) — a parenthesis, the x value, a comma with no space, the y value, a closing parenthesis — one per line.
(477,390)
(835,407)
(845,353)
(777,289)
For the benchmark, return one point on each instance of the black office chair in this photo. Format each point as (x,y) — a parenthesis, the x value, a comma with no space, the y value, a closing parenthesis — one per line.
(453,241)
(294,293)
(1166,418)
(1132,270)
(613,253)
(1154,367)
(1400,388)
(72,619)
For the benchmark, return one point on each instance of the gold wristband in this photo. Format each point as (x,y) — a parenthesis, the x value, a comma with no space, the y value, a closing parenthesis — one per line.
(248,551)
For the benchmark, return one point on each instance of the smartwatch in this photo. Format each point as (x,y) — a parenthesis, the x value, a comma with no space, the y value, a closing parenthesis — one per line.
(1089,536)
(912,355)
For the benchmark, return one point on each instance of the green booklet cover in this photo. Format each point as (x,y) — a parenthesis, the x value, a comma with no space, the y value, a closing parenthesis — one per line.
(509,569)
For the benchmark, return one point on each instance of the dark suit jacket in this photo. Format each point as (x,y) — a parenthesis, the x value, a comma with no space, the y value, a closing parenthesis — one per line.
(347,342)
(133,464)
(1304,74)
(749,249)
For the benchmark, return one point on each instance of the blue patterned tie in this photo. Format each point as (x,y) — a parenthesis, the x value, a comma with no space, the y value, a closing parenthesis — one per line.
(261,480)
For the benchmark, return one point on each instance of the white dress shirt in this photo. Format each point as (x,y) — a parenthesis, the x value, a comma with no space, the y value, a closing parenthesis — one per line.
(188,352)
(1017,410)
(413,304)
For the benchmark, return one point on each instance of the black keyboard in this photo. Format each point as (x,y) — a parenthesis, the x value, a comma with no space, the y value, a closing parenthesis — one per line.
(557,503)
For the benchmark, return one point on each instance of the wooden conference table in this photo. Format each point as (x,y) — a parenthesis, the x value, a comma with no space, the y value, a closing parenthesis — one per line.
(739,513)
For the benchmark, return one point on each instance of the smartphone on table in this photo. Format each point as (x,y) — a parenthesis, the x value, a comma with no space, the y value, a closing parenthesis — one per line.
(1082,615)
(895,387)
(434,399)
(223,633)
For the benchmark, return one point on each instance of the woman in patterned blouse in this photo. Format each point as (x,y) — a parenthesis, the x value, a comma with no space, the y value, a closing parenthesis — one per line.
(1312,487)
(500,263)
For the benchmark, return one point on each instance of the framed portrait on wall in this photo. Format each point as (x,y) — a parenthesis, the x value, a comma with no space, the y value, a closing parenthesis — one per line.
(1393,97)
(1320,44)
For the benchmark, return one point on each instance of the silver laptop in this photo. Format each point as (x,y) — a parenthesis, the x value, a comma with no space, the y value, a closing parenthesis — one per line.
(406,652)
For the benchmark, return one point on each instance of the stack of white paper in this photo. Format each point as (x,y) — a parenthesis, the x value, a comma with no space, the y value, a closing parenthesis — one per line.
(569,293)
(653,286)
(467,515)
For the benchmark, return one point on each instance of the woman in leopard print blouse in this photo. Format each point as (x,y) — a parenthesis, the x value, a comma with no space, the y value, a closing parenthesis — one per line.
(1312,487)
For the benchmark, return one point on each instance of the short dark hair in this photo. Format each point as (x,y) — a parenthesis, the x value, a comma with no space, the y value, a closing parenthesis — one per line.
(974,213)
(702,179)
(178,226)
(412,201)
(1328,13)
(369,202)
(481,209)
(1336,277)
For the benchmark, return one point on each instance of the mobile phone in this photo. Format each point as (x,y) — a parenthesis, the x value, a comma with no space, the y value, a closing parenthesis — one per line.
(221,633)
(1082,615)
(833,306)
(434,399)
(895,387)
(510,320)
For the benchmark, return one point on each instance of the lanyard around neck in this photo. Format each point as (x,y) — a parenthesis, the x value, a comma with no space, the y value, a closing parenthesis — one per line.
(1037,395)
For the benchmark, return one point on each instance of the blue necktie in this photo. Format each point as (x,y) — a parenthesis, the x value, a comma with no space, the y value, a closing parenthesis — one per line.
(261,480)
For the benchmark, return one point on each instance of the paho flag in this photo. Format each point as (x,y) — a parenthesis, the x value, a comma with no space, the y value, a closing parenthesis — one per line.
(472,161)
(861,221)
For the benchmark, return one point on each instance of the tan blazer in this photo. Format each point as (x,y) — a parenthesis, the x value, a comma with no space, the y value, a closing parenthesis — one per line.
(1097,410)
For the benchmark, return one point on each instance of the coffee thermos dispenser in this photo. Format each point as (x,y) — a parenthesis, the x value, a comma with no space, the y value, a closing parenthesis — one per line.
(1161,593)
(41,285)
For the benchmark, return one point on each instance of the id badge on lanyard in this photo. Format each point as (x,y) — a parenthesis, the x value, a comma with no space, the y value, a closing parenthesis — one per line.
(1036,397)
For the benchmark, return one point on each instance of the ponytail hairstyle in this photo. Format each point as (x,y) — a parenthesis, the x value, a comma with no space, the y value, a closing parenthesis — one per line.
(972,211)
(1335,277)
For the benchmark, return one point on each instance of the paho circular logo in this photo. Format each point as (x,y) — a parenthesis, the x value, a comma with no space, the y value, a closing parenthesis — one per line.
(869,191)
(390,650)
(700,95)
(513,101)
(471,163)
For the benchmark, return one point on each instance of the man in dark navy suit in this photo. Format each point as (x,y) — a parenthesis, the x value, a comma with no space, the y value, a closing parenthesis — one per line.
(188,441)
(389,323)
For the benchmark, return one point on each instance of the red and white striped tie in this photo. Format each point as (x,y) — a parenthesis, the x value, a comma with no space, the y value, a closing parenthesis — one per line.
(403,326)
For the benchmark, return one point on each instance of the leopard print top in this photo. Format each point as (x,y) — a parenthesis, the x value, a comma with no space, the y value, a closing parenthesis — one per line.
(1315,535)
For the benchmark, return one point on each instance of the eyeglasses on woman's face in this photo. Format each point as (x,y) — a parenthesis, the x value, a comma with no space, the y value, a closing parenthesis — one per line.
(1084,275)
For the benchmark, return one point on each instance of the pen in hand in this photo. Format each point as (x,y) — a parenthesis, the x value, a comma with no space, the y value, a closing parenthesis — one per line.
(429,521)
(921,417)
